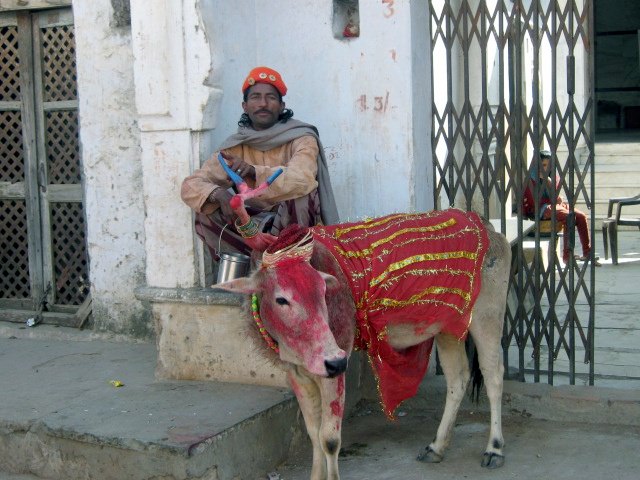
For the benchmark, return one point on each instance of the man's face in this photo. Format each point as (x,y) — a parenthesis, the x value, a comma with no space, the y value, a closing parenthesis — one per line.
(263,105)
(545,162)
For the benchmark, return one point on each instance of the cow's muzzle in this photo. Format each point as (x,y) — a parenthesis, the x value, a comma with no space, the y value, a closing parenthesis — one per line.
(336,367)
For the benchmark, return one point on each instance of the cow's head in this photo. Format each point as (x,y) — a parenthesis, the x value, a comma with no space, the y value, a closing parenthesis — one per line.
(291,292)
(293,308)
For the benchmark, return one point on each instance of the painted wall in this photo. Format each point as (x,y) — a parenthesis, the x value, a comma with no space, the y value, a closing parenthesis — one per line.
(110,149)
(366,95)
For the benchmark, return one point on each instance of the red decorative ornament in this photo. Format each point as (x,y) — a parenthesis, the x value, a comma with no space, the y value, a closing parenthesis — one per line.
(351,30)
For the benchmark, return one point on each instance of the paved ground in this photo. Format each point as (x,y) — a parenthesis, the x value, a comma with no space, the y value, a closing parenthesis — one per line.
(616,331)
(375,449)
(62,417)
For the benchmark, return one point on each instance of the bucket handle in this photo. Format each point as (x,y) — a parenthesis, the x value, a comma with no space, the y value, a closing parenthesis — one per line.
(219,252)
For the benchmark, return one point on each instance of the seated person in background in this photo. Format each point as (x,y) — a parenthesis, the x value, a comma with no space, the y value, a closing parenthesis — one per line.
(267,139)
(561,207)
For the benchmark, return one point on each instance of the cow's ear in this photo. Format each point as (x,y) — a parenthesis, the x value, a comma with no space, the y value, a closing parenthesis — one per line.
(330,280)
(240,285)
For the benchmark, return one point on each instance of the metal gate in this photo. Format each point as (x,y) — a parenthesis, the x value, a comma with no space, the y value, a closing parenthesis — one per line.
(513,77)
(43,264)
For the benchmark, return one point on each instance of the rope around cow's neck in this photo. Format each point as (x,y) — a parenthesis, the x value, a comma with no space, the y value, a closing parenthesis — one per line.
(255,311)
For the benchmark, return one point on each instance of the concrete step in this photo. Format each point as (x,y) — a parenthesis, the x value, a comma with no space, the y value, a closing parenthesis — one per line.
(617,169)
(617,159)
(606,190)
(601,206)
(61,418)
(615,172)
(619,181)
(616,149)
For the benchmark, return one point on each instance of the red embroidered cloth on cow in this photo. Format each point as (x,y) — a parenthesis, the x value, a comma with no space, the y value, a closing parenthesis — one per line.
(408,268)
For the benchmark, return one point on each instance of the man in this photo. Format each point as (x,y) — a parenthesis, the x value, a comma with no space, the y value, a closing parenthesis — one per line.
(267,139)
(561,207)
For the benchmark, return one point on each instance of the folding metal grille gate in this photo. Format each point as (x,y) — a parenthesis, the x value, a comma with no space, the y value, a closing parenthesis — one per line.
(512,77)
(43,264)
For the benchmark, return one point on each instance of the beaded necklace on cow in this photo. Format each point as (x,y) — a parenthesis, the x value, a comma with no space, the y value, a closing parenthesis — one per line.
(255,311)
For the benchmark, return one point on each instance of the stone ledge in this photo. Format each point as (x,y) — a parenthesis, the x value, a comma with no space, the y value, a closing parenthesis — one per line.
(193,296)
(574,403)
(203,334)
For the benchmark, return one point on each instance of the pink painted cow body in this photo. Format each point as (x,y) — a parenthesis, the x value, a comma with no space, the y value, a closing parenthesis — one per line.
(308,306)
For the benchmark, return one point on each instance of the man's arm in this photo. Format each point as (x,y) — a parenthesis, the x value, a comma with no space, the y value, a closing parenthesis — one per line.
(206,189)
(299,176)
(528,203)
(545,179)
(222,197)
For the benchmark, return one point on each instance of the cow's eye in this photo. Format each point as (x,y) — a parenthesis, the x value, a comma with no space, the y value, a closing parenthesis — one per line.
(282,301)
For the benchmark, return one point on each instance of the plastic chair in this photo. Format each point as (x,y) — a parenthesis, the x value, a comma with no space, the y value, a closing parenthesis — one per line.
(611,223)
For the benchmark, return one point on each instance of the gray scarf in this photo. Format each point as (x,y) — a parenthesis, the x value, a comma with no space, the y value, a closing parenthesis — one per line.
(278,135)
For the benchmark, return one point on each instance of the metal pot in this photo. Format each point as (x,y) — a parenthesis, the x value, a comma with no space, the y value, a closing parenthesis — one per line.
(232,266)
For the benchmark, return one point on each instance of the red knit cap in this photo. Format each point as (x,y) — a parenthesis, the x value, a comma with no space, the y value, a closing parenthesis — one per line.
(265,75)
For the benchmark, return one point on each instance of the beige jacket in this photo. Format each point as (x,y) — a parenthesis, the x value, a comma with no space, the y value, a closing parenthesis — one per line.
(297,158)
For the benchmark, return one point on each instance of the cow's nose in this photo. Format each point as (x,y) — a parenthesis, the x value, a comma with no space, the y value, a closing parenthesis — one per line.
(335,367)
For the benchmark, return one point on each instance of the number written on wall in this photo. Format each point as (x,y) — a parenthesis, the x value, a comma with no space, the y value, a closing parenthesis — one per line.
(389,10)
(377,104)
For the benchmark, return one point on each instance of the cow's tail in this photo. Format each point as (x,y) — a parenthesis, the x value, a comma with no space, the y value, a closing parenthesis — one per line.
(476,377)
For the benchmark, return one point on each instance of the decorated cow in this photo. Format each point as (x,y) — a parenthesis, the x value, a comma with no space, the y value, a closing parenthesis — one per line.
(389,286)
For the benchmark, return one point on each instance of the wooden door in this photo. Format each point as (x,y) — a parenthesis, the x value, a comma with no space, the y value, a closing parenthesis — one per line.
(43,264)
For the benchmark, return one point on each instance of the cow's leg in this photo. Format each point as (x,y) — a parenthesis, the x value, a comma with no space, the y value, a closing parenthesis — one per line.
(453,360)
(310,402)
(333,395)
(486,331)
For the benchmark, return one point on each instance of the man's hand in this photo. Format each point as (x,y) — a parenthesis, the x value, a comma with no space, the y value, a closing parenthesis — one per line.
(238,165)
(222,197)
(545,179)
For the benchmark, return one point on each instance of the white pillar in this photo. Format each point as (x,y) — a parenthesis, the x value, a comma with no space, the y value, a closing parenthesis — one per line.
(176,110)
(112,176)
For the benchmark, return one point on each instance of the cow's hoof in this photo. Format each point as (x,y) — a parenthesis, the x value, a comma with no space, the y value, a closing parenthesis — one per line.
(492,460)
(429,456)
